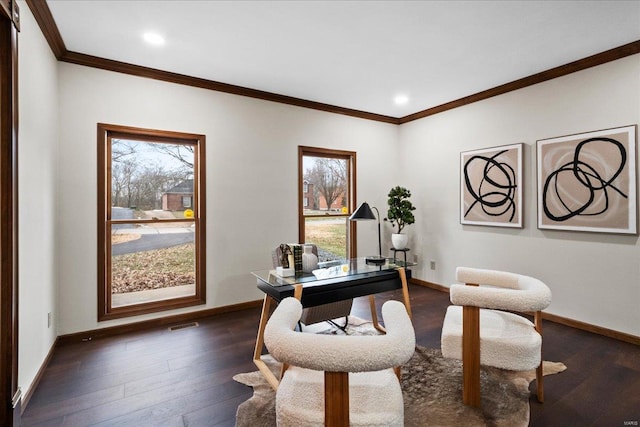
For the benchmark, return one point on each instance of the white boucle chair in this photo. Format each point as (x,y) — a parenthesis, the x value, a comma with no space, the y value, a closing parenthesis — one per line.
(339,380)
(476,331)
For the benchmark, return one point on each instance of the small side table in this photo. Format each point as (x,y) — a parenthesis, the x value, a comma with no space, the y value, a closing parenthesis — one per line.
(404,251)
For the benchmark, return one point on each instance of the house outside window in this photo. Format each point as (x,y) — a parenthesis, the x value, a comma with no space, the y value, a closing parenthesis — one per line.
(178,197)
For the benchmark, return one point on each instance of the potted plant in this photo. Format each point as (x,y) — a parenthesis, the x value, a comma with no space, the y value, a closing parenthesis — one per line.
(400,214)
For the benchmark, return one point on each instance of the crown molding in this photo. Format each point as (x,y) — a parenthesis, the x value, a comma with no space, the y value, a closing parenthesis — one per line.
(553,73)
(167,76)
(49,28)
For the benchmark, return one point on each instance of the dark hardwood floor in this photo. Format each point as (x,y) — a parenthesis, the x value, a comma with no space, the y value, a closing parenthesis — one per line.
(183,378)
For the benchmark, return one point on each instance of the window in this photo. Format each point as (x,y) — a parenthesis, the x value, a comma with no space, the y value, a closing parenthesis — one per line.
(151,221)
(327,198)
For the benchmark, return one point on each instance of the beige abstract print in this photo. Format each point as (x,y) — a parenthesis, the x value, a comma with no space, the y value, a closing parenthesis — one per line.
(491,186)
(587,182)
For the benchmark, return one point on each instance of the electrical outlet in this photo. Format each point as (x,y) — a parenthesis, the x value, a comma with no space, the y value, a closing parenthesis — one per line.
(433,265)
(48,320)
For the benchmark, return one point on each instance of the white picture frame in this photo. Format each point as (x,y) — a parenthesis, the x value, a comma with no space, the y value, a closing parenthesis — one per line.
(587,181)
(491,186)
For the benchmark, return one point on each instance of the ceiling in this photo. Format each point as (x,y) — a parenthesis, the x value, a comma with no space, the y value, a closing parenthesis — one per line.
(352,54)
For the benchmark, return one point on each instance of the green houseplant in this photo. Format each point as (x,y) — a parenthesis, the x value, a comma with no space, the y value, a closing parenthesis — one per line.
(400,214)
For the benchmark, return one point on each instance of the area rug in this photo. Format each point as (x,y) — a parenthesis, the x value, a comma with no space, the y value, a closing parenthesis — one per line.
(432,389)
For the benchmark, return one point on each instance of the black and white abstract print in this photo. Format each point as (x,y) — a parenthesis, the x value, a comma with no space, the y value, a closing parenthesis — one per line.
(491,186)
(586,182)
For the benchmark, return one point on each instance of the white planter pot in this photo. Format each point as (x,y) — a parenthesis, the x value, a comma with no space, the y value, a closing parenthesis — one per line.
(399,241)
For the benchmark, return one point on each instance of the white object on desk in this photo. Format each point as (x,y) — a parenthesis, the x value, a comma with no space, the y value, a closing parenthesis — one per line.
(335,271)
(285,272)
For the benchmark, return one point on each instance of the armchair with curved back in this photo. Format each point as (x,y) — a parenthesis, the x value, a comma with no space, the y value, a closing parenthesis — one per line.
(481,327)
(339,380)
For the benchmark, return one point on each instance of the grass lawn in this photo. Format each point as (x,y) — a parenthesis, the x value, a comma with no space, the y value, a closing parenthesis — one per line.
(331,237)
(155,269)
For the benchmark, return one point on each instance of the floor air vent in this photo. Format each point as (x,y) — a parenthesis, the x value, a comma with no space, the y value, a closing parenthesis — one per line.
(183,326)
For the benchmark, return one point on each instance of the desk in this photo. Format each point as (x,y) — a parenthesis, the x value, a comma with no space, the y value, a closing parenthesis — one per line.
(353,279)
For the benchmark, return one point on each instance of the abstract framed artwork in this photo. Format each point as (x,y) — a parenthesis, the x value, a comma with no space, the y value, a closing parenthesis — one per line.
(491,186)
(587,181)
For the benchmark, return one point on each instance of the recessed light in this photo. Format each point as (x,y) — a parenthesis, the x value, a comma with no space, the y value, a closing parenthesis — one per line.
(153,38)
(401,99)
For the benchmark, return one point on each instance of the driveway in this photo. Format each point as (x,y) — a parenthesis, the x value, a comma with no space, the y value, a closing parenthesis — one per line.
(149,242)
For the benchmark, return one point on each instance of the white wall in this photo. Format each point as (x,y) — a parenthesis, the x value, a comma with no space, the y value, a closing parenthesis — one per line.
(595,278)
(251,151)
(37,154)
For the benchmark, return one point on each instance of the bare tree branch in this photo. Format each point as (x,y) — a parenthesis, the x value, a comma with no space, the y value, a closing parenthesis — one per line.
(182,153)
(328,177)
(121,149)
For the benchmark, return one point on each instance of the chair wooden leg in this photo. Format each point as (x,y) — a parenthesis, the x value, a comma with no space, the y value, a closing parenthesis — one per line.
(374,315)
(540,383)
(283,369)
(471,356)
(398,371)
(537,320)
(405,291)
(257,352)
(336,399)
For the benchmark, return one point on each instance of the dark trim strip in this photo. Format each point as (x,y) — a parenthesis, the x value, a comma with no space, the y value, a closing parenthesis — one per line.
(152,73)
(9,295)
(42,14)
(153,323)
(38,377)
(563,70)
(429,285)
(610,333)
(45,20)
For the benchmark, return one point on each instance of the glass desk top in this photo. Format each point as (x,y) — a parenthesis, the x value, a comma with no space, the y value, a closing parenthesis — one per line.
(342,269)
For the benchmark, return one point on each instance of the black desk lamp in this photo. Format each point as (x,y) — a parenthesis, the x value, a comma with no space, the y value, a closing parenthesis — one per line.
(364,212)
